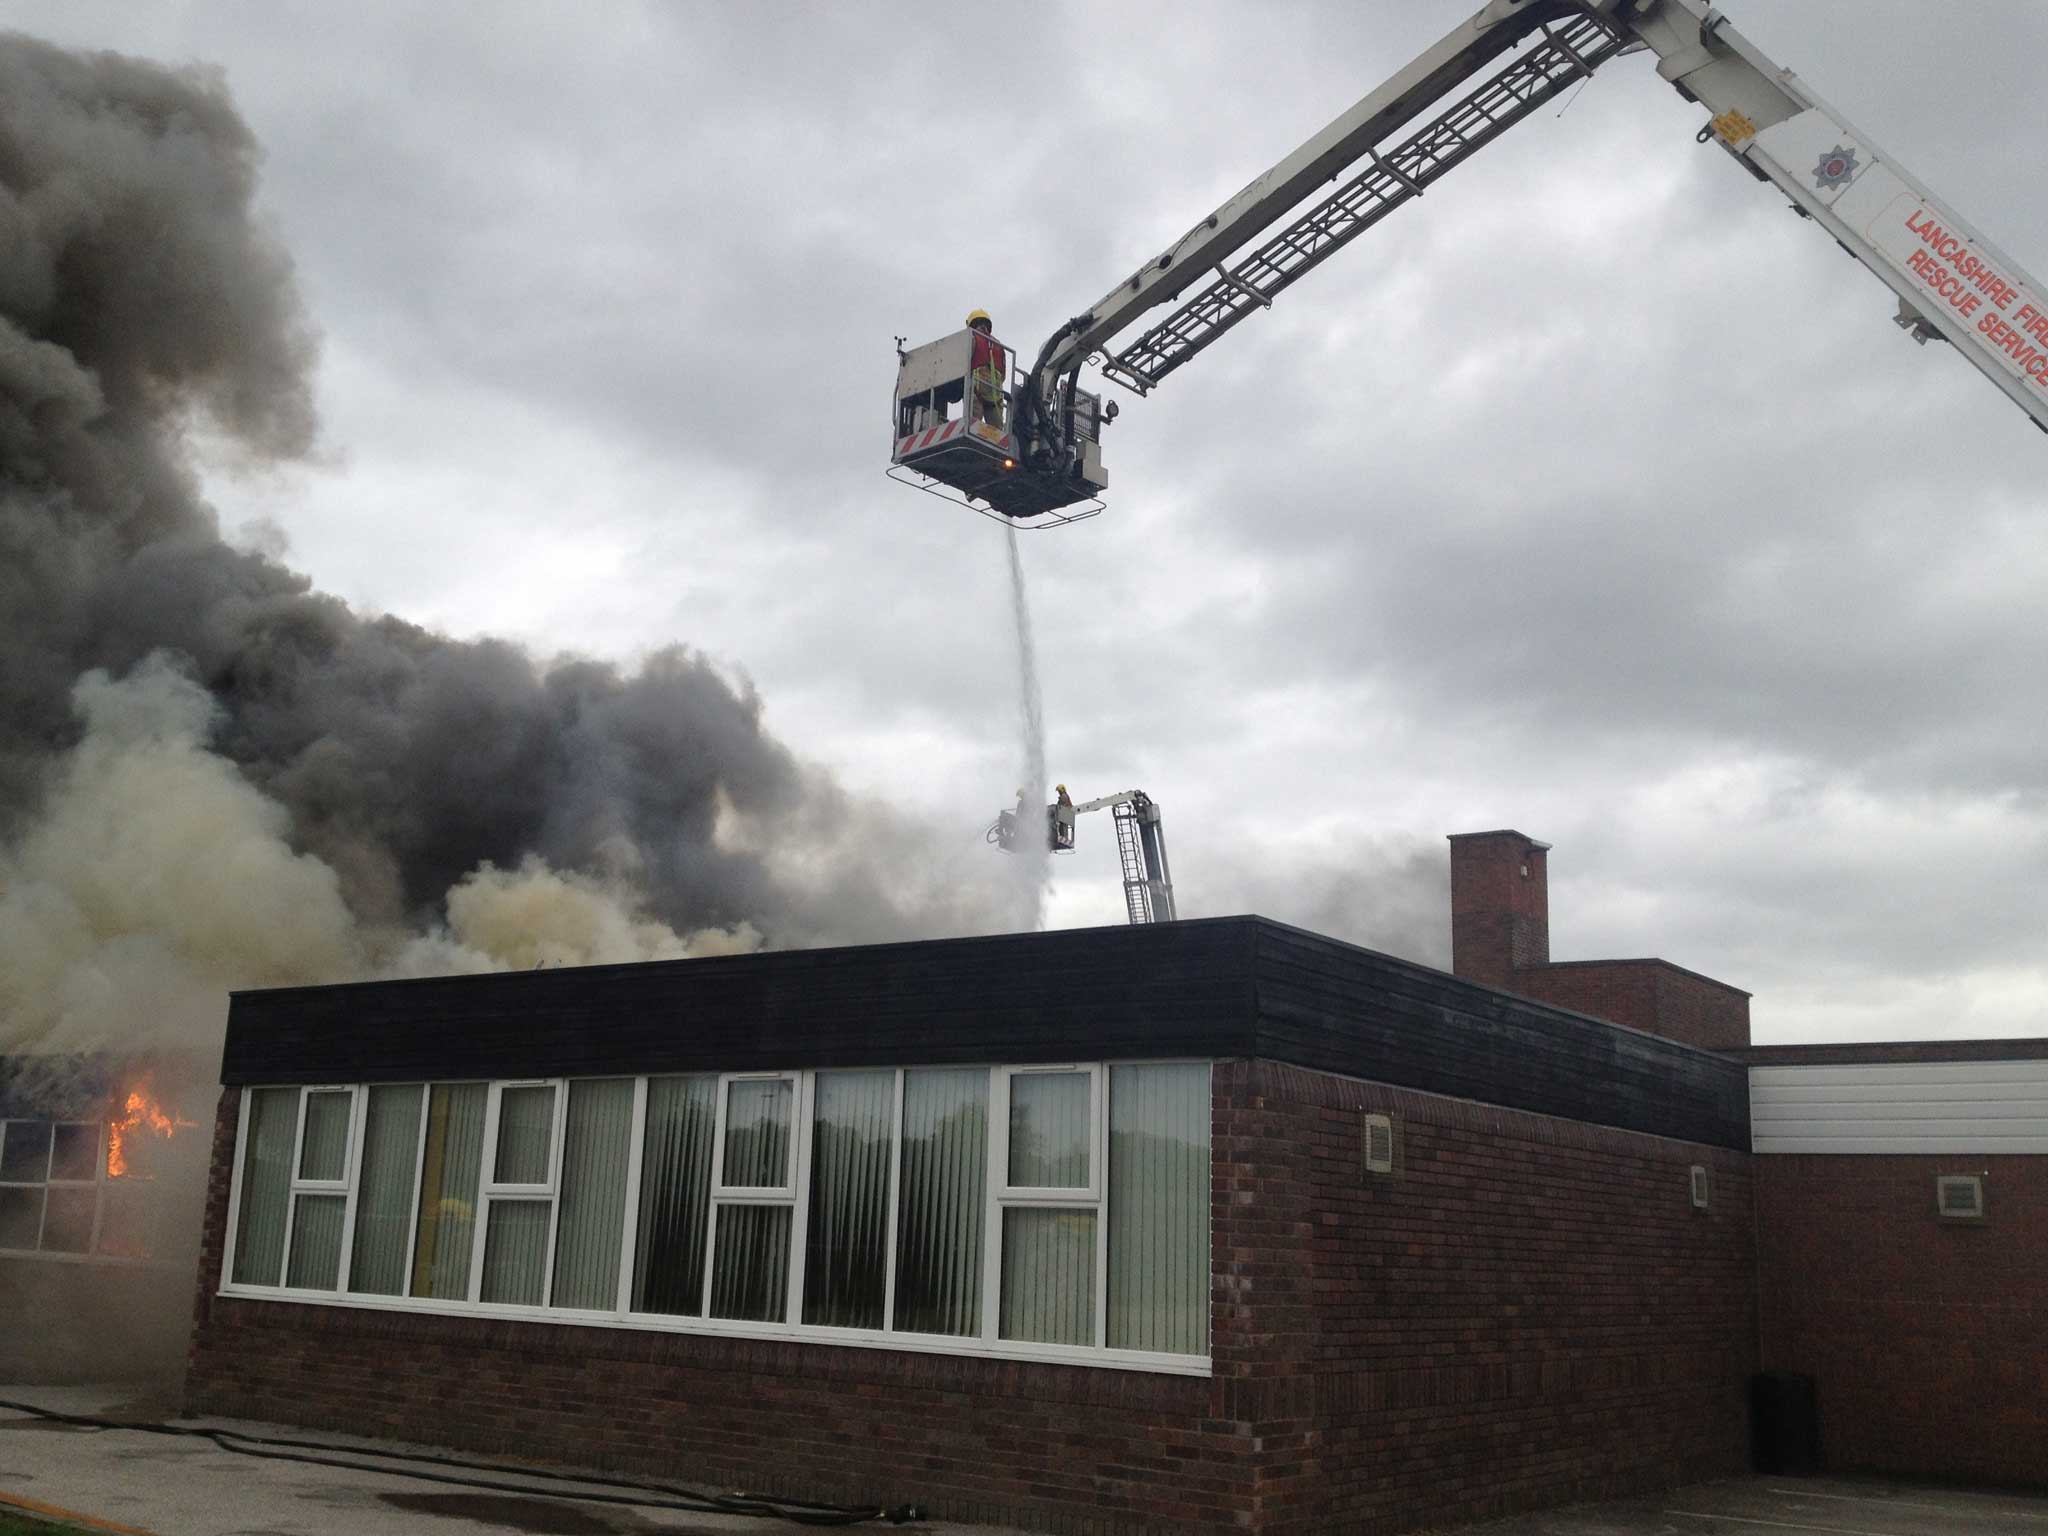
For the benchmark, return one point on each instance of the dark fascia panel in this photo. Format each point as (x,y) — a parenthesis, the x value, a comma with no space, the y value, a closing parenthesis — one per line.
(1211,987)
(1339,1008)
(1171,990)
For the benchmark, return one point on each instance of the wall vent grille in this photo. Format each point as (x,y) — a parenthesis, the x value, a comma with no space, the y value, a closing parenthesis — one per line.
(1959,1197)
(1379,1144)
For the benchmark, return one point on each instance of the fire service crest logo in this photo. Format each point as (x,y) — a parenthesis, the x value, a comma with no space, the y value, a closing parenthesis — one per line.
(1836,168)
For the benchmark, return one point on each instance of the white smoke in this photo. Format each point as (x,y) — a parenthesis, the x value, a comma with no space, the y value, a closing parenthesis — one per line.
(157,877)
(536,916)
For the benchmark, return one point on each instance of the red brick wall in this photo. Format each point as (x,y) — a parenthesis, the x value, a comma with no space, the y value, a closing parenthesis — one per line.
(1500,916)
(1528,1311)
(1927,1339)
(1652,995)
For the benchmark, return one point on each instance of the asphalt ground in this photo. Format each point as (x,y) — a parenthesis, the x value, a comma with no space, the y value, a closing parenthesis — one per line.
(155,1485)
(1791,1506)
(143,1484)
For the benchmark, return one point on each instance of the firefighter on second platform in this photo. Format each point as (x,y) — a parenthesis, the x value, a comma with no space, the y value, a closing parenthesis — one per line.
(991,365)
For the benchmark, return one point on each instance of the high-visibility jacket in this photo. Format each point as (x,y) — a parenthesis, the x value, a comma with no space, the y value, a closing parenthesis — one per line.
(991,366)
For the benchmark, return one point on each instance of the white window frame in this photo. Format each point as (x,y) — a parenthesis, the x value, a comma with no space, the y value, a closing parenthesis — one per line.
(96,1184)
(42,1184)
(359,1133)
(794,1194)
(490,1192)
(345,1186)
(1004,1196)
(100,1183)
(800,1241)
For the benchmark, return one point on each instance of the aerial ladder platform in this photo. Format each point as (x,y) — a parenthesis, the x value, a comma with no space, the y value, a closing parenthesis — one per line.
(1036,459)
(1140,844)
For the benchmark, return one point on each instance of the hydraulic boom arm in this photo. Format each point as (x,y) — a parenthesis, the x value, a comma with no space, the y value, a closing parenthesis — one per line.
(1467,90)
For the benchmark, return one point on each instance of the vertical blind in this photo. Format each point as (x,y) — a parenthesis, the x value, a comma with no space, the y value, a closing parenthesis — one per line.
(596,1140)
(1048,1290)
(757,1114)
(391,1136)
(750,1242)
(450,1169)
(1048,1275)
(516,1252)
(1049,1139)
(266,1184)
(675,1195)
(943,1200)
(750,1263)
(316,1241)
(893,1192)
(516,1229)
(846,1246)
(325,1153)
(1159,1208)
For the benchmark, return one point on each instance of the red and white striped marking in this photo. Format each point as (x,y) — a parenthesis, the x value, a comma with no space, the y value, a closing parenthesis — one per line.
(917,442)
(925,439)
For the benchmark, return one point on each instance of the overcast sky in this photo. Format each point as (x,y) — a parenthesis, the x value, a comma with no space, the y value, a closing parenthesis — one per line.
(1594,496)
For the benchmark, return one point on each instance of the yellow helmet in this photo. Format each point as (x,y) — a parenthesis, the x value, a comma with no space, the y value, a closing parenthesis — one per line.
(978,314)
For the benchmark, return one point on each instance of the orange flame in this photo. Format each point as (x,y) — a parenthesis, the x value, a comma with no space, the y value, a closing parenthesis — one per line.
(142,1112)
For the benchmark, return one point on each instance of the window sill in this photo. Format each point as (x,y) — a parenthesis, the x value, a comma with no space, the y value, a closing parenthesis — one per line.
(915,1343)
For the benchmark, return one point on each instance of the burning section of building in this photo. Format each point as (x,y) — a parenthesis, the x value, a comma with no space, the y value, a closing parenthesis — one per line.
(102,1162)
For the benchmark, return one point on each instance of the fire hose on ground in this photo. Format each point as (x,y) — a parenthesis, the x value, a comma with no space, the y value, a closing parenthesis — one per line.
(645,1495)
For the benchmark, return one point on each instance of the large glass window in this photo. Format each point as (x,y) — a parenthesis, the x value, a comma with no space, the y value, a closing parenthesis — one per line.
(1159,1207)
(675,1195)
(51,1188)
(1052,1210)
(391,1151)
(1050,1198)
(271,1143)
(754,1203)
(24,1173)
(944,1202)
(519,1203)
(846,1241)
(596,1146)
(320,1189)
(451,1166)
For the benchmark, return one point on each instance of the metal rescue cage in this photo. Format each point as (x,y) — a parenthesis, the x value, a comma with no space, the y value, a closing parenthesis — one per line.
(962,447)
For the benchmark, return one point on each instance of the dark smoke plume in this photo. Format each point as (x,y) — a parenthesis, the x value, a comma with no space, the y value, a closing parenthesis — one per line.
(212,774)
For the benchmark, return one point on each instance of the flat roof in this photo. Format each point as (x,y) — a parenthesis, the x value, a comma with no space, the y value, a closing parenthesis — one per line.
(1226,987)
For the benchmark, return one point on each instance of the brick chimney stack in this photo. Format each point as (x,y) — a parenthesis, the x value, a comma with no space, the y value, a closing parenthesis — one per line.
(1500,906)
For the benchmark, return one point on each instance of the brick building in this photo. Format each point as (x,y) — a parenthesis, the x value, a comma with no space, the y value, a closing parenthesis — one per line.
(1902,1207)
(1202,1227)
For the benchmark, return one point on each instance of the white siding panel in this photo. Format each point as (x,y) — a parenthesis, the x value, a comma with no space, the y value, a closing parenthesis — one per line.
(1923,1108)
(1907,1072)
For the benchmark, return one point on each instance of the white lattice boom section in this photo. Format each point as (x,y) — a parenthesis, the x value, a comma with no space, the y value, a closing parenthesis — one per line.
(1566,51)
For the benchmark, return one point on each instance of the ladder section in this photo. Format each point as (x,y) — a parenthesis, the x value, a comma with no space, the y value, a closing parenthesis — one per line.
(1137,887)
(1566,51)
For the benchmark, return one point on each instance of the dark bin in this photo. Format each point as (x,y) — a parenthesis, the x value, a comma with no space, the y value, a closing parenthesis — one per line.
(1784,1424)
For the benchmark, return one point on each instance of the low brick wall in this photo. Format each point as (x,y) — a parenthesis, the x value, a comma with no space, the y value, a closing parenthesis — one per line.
(1525,1312)
(1927,1339)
